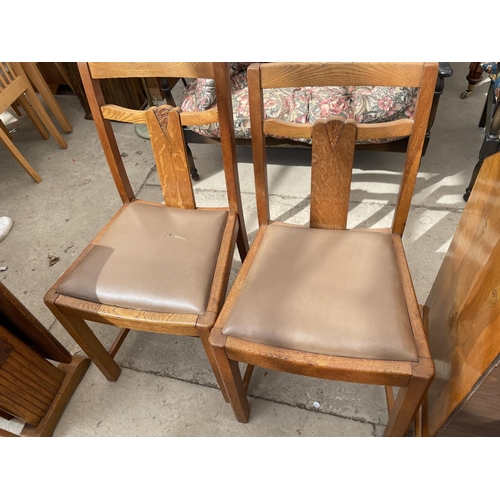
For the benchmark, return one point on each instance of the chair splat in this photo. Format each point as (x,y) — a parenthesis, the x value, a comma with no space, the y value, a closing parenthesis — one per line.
(332,156)
(169,148)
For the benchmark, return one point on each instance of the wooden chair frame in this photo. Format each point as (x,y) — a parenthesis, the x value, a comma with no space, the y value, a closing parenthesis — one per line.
(331,179)
(15,86)
(172,164)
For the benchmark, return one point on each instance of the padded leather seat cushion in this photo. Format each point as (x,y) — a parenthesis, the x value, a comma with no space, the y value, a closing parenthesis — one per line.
(327,292)
(152,258)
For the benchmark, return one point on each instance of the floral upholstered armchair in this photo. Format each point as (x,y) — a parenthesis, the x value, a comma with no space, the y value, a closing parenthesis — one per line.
(306,105)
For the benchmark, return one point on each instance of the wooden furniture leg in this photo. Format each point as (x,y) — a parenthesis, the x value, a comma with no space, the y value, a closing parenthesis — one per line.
(34,118)
(36,78)
(44,117)
(5,129)
(15,107)
(236,392)
(474,77)
(491,142)
(87,340)
(213,363)
(408,397)
(192,168)
(7,142)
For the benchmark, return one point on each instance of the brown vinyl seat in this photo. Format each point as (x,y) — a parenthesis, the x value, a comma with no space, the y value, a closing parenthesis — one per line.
(327,292)
(149,259)
(155,267)
(324,301)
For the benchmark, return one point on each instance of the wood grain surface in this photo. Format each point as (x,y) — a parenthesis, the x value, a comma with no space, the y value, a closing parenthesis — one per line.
(462,312)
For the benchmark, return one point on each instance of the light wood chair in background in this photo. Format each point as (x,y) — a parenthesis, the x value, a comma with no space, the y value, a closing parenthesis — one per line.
(15,86)
(37,80)
(154,267)
(324,301)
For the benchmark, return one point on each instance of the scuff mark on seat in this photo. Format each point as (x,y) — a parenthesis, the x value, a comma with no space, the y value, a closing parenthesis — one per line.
(176,236)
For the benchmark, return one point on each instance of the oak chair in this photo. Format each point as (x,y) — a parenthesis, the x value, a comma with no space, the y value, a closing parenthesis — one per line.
(161,268)
(324,301)
(15,86)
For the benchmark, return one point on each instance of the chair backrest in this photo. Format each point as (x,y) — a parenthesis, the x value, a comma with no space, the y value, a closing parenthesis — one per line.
(334,139)
(12,83)
(165,127)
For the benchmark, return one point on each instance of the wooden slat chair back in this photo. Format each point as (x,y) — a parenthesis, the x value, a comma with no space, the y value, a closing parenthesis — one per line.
(181,247)
(333,215)
(165,128)
(14,86)
(324,301)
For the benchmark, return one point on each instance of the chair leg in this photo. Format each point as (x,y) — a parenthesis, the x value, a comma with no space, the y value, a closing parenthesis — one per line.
(248,377)
(482,121)
(37,79)
(192,167)
(85,338)
(474,77)
(6,141)
(389,395)
(5,129)
(242,241)
(15,107)
(40,110)
(491,145)
(213,363)
(409,399)
(233,382)
(34,118)
(475,173)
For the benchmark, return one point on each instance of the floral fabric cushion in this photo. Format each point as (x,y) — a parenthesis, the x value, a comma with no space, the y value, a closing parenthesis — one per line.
(300,105)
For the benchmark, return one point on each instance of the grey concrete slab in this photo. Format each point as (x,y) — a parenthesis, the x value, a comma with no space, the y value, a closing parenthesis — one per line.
(140,404)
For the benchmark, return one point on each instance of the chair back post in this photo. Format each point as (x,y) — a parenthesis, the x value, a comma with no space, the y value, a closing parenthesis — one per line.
(228,143)
(255,96)
(96,100)
(415,145)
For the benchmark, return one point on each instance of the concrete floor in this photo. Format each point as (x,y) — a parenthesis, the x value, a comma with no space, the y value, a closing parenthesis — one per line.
(167,387)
